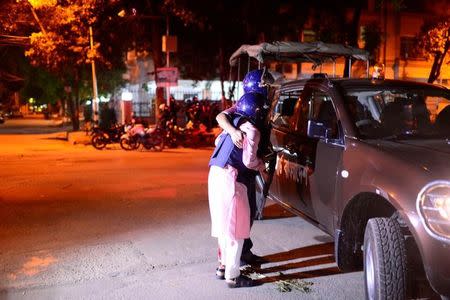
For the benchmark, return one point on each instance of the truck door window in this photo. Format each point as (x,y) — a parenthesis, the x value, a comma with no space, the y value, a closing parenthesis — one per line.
(303,113)
(284,110)
(317,106)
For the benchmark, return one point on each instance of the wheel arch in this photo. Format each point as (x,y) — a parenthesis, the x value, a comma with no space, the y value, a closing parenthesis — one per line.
(349,236)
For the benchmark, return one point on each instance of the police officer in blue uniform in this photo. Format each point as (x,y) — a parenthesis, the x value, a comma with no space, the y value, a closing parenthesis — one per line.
(253,83)
(232,171)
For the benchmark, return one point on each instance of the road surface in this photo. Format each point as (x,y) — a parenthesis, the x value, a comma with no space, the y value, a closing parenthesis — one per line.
(78,223)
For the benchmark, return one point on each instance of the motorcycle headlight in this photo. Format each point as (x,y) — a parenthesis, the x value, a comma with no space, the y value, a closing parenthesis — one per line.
(433,205)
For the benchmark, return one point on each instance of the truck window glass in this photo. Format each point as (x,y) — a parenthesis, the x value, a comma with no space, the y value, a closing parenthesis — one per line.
(284,109)
(318,106)
(400,113)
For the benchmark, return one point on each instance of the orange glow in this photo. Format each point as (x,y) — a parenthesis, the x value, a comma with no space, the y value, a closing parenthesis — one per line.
(42,3)
(33,266)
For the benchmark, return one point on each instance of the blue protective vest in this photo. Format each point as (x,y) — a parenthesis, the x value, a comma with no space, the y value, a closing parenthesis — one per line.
(226,153)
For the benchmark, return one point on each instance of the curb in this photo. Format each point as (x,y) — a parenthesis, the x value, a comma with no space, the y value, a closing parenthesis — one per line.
(78,138)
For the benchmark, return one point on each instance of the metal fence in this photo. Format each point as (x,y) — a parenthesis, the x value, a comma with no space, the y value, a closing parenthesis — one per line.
(145,109)
(144,100)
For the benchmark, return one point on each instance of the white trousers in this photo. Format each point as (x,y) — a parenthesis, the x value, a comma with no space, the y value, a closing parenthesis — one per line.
(230,251)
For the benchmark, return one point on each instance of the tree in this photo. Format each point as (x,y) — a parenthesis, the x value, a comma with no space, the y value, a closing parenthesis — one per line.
(41,85)
(435,42)
(208,25)
(62,44)
(372,39)
(59,39)
(226,25)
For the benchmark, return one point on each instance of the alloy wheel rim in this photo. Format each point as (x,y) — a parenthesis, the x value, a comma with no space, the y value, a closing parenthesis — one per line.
(370,272)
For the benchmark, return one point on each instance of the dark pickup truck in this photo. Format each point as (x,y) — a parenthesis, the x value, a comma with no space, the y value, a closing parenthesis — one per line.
(368,161)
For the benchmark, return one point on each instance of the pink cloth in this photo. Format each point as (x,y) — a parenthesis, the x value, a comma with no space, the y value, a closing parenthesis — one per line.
(137,129)
(228,202)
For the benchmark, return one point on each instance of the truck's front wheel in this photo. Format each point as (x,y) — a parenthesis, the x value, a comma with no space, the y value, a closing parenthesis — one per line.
(384,260)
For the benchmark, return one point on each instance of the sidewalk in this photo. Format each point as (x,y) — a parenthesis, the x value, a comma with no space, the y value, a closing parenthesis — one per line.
(78,138)
(33,125)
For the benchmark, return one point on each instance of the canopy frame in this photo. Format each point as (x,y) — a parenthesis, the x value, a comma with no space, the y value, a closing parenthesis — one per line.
(315,52)
(297,52)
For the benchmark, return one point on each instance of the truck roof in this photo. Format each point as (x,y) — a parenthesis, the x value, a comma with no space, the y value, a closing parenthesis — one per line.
(354,83)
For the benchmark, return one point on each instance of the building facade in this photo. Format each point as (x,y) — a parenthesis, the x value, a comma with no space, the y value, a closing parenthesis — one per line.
(400,28)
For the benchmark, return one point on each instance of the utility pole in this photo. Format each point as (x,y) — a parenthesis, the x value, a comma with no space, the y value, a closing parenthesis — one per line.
(167,59)
(385,17)
(94,81)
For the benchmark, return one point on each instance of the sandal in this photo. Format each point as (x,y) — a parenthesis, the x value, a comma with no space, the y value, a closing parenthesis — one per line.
(220,272)
(241,281)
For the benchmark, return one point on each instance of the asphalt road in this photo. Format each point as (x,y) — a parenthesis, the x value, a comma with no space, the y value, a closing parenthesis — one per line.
(77,223)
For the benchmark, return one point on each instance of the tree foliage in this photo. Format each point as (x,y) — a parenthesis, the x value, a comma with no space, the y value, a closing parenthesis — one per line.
(59,32)
(59,39)
(435,37)
(212,30)
(65,41)
(15,18)
(41,85)
(372,39)
(435,42)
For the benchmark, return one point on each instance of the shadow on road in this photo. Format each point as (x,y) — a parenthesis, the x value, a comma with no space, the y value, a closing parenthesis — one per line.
(275,211)
(59,137)
(309,251)
(314,255)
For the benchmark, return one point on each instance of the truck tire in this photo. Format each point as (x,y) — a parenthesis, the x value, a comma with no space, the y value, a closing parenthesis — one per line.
(384,260)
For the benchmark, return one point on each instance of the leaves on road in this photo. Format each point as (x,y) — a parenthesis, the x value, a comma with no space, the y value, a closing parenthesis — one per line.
(293,284)
(285,285)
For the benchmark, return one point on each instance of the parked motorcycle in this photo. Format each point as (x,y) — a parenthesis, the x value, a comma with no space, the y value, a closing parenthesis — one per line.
(102,137)
(136,135)
(189,136)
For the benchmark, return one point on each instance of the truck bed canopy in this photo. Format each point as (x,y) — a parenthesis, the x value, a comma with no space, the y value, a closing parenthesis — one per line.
(315,52)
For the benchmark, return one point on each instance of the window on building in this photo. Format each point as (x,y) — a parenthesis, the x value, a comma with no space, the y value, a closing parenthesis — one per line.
(284,68)
(279,68)
(308,36)
(409,49)
(413,6)
(287,68)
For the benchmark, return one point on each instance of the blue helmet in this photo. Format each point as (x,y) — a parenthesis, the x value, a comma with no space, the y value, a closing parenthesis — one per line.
(252,106)
(253,81)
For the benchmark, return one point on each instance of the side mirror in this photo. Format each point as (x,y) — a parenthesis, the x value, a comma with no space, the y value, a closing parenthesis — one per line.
(318,130)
